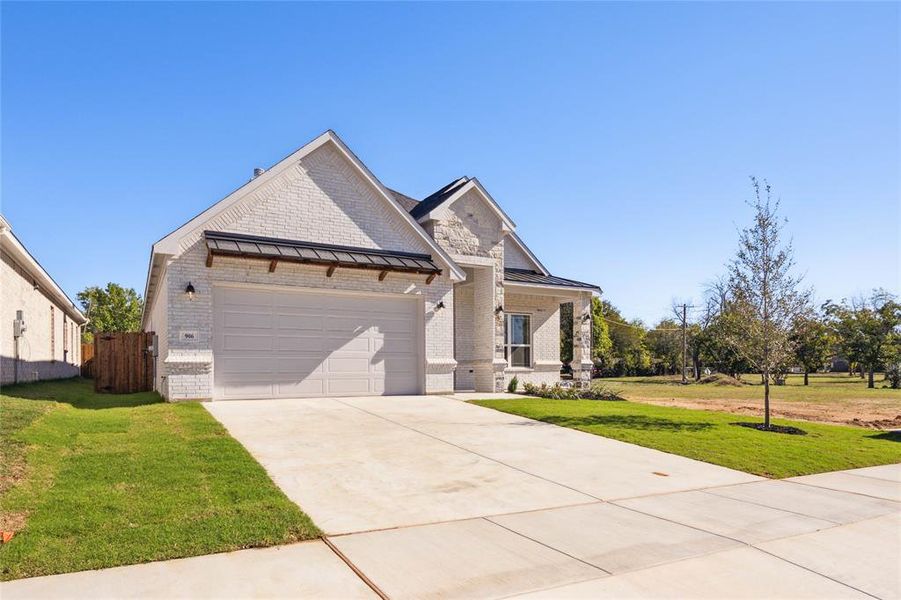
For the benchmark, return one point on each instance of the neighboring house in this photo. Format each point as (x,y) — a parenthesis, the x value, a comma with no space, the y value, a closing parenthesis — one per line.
(41,327)
(314,279)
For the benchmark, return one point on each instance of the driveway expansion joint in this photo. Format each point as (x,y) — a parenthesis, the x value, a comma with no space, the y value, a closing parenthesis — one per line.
(494,460)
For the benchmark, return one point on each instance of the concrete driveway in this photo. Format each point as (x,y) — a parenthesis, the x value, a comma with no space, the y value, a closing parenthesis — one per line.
(359,464)
(429,497)
(433,497)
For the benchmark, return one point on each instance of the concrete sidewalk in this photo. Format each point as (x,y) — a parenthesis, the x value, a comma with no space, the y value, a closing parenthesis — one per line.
(431,497)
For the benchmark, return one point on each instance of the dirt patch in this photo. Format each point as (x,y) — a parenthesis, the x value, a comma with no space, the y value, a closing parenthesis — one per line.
(872,415)
(720,379)
(12,521)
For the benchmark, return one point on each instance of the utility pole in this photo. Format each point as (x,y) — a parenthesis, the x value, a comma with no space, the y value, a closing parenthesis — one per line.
(684,340)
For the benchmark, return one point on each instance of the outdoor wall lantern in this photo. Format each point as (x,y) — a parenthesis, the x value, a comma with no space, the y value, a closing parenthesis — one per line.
(190,291)
(499,309)
(440,305)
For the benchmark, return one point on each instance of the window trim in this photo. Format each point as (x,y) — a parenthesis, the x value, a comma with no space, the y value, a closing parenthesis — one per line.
(508,346)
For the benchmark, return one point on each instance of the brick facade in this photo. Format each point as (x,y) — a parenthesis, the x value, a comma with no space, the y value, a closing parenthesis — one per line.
(468,228)
(544,313)
(324,198)
(50,347)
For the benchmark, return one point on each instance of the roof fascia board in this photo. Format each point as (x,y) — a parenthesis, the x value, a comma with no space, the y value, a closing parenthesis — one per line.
(19,253)
(541,286)
(155,290)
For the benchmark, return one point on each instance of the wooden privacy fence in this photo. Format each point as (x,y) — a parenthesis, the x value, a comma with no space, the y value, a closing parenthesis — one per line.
(87,360)
(123,362)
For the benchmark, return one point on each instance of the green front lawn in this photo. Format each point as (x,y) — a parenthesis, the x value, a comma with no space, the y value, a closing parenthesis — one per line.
(823,387)
(713,436)
(97,480)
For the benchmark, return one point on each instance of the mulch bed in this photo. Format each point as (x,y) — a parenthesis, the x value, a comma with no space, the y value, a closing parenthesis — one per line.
(773,428)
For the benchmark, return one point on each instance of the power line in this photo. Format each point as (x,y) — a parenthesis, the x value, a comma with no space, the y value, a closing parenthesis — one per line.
(622,324)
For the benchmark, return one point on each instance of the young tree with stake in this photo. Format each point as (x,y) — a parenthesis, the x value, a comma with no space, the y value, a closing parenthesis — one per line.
(765,295)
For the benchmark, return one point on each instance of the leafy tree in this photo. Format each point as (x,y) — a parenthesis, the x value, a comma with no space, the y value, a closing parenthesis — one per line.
(764,294)
(813,343)
(869,330)
(715,343)
(601,344)
(113,308)
(664,342)
(566,333)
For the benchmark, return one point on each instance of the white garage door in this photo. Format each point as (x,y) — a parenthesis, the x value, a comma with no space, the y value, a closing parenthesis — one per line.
(288,344)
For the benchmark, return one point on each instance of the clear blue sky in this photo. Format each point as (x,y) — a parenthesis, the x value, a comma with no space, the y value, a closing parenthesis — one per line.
(619,137)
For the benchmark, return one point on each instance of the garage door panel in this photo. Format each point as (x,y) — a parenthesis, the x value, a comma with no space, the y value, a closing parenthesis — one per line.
(351,386)
(247,319)
(246,297)
(384,325)
(293,344)
(307,387)
(293,367)
(244,365)
(299,322)
(245,389)
(300,343)
(355,324)
(241,342)
(394,344)
(396,366)
(353,345)
(345,364)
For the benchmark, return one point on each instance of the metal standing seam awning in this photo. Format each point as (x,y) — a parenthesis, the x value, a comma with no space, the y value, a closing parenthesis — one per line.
(276,250)
(529,277)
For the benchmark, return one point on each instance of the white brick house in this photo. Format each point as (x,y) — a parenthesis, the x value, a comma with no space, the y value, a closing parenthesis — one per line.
(41,326)
(314,279)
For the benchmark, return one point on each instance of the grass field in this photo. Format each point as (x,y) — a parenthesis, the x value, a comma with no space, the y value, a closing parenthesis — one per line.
(96,480)
(832,398)
(714,437)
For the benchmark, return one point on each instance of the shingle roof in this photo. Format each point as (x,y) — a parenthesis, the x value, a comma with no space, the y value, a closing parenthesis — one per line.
(434,200)
(251,246)
(528,276)
(406,202)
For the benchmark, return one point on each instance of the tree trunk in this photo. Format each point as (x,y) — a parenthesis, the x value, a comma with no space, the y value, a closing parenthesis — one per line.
(805,377)
(870,380)
(766,401)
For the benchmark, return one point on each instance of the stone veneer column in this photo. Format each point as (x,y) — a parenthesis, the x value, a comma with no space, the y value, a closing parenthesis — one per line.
(499,364)
(581,363)
(488,347)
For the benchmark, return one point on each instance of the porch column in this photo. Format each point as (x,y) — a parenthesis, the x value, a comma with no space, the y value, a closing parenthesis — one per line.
(582,364)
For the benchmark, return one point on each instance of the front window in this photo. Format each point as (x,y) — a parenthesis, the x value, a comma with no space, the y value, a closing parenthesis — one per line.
(518,340)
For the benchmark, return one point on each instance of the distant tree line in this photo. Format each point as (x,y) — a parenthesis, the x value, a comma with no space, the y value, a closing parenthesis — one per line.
(757,318)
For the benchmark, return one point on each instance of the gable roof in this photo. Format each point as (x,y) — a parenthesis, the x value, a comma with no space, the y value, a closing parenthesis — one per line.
(419,208)
(454,191)
(434,200)
(172,244)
